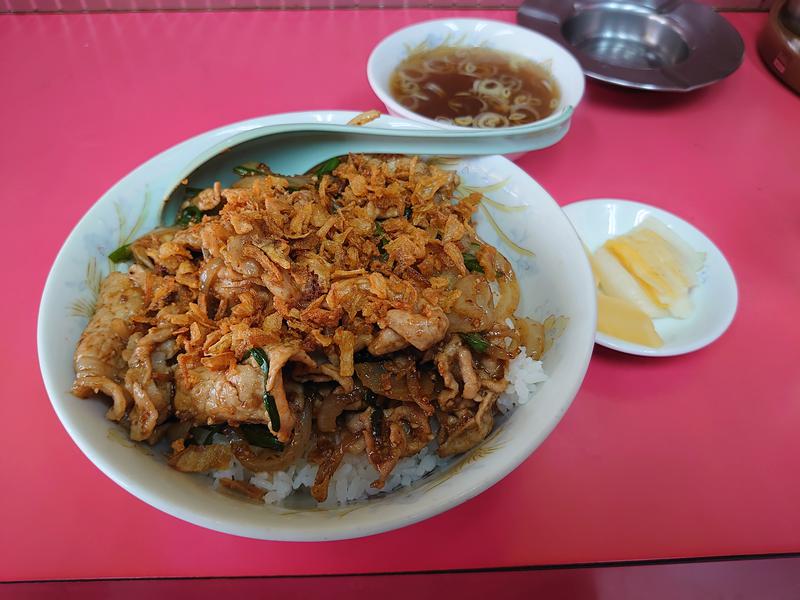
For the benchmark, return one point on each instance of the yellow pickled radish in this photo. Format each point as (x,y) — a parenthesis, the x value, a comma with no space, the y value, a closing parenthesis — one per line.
(616,281)
(651,267)
(649,258)
(643,274)
(691,260)
(622,319)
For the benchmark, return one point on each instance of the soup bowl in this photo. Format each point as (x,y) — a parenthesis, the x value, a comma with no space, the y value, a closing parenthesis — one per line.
(496,35)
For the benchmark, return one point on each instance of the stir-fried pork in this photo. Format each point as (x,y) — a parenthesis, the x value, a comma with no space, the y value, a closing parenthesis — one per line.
(344,311)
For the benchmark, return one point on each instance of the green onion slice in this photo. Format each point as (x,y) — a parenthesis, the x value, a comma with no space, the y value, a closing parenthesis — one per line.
(204,434)
(327,167)
(382,240)
(259,435)
(190,214)
(471,262)
(121,254)
(476,341)
(245,171)
(261,359)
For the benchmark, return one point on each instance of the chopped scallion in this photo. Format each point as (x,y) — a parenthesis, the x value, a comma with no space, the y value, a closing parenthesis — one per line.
(382,240)
(259,435)
(476,341)
(258,355)
(121,254)
(471,262)
(245,171)
(190,214)
(327,167)
(204,435)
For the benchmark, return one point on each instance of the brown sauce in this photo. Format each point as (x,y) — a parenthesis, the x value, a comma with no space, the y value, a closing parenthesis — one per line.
(474,87)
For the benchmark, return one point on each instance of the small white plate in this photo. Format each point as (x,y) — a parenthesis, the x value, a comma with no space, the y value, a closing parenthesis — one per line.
(715,297)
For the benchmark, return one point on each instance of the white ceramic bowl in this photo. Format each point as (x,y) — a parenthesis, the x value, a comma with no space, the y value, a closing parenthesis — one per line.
(478,32)
(556,281)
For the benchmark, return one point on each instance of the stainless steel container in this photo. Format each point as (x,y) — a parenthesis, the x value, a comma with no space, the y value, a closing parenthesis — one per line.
(779,43)
(791,16)
(664,45)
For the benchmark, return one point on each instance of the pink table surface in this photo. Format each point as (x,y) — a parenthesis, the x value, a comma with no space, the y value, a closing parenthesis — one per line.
(690,456)
(745,579)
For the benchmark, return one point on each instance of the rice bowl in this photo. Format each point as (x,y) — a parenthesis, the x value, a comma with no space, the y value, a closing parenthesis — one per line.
(559,266)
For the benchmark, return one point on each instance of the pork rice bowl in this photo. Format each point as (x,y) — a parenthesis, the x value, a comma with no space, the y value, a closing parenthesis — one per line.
(340,333)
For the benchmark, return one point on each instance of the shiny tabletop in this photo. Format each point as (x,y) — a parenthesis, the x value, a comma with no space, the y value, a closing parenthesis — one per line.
(696,455)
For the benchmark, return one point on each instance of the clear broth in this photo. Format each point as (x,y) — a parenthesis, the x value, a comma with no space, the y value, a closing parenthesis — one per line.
(474,87)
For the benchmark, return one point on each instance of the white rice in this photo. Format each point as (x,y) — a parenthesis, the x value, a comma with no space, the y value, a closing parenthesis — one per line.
(353,477)
(524,377)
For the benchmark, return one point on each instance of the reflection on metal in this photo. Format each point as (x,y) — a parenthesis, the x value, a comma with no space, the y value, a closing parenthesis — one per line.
(69,6)
(675,45)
